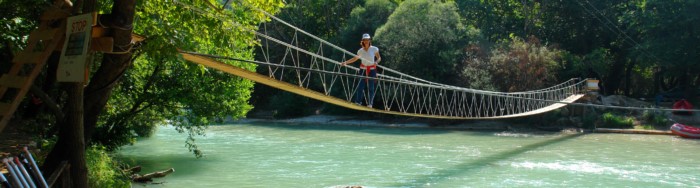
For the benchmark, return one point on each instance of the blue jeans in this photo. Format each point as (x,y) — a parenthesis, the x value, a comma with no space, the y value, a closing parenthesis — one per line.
(360,94)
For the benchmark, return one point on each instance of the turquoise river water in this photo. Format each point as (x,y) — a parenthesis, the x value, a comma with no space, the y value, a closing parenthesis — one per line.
(284,155)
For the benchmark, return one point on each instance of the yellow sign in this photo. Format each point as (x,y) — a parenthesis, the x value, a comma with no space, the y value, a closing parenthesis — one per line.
(71,67)
(592,85)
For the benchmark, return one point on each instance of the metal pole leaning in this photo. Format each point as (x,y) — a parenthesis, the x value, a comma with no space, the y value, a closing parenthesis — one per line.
(24,172)
(3,181)
(13,174)
(20,175)
(35,169)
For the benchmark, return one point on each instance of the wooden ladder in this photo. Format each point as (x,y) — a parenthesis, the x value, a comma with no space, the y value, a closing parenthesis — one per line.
(28,63)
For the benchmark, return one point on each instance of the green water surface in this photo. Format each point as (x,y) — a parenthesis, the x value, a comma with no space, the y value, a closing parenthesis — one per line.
(283,155)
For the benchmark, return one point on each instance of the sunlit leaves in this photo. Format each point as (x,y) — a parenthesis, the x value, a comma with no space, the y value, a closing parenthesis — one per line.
(162,87)
(419,38)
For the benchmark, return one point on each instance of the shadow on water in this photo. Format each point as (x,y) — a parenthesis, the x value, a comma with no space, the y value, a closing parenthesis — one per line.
(483,162)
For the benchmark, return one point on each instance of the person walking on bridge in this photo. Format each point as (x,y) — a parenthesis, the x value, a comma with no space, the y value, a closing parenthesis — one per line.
(368,67)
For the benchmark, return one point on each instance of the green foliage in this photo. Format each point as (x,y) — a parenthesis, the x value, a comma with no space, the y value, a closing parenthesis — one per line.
(476,69)
(103,171)
(669,41)
(498,19)
(656,119)
(162,88)
(17,19)
(610,120)
(365,19)
(520,65)
(593,65)
(420,39)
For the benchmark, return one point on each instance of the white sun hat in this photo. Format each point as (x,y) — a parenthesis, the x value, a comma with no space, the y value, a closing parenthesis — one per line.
(366,36)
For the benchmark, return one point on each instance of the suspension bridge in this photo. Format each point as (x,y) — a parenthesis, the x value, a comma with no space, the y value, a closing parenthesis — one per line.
(310,70)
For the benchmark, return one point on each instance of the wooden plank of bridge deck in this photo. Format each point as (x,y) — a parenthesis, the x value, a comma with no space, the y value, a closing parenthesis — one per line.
(340,102)
(554,106)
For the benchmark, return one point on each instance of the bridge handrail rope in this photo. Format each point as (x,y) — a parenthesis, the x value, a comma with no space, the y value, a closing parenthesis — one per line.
(381,66)
(437,87)
(389,69)
(432,89)
(366,77)
(508,95)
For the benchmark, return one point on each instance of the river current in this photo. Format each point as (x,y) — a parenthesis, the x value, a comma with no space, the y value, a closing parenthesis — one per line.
(294,155)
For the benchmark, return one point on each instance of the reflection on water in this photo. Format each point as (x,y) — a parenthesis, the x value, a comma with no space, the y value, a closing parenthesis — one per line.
(276,155)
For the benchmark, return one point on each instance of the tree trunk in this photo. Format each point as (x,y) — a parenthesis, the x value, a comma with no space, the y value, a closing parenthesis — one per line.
(149,177)
(97,92)
(73,126)
(113,65)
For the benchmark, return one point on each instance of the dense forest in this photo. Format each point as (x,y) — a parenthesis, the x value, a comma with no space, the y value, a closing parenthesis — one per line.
(638,48)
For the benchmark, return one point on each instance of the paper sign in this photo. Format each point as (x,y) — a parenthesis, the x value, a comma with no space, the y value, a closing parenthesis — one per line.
(71,67)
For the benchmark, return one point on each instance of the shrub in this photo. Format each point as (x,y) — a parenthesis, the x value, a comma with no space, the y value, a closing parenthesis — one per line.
(612,121)
(655,119)
(521,65)
(102,170)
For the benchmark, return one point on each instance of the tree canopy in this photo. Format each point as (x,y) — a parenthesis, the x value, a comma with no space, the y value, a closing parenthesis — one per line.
(419,38)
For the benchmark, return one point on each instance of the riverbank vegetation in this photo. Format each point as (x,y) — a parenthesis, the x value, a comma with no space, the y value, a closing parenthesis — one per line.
(638,48)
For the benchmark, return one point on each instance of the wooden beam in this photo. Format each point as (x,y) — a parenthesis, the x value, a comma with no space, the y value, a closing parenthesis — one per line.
(24,57)
(13,81)
(54,14)
(98,32)
(46,34)
(102,44)
(53,178)
(4,107)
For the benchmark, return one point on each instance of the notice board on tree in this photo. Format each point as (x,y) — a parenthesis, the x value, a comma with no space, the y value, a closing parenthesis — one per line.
(72,66)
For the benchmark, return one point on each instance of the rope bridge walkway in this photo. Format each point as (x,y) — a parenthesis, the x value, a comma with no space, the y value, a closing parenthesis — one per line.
(310,69)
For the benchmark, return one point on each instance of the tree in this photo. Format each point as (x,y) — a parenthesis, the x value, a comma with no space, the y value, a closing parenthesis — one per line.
(187,91)
(513,65)
(161,87)
(17,18)
(498,19)
(670,37)
(364,19)
(420,38)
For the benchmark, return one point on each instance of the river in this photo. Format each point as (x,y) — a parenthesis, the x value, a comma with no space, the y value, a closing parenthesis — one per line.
(296,155)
